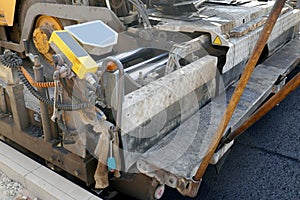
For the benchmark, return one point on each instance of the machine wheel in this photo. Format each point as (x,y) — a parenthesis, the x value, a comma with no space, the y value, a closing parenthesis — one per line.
(44,27)
(38,42)
(139,186)
(159,191)
(41,32)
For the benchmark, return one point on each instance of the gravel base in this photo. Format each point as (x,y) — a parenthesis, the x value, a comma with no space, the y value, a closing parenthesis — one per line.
(13,190)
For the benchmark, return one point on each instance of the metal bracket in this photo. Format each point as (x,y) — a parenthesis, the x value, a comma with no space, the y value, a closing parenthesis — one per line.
(17,102)
(3,105)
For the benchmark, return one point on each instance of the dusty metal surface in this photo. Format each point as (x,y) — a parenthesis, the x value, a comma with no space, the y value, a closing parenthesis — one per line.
(175,158)
(281,63)
(221,21)
(290,54)
(271,103)
(287,56)
(31,102)
(258,89)
(263,163)
(215,19)
(242,83)
(161,163)
(17,103)
(243,46)
(162,104)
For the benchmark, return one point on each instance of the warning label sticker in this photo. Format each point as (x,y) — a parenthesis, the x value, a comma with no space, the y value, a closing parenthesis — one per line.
(217,41)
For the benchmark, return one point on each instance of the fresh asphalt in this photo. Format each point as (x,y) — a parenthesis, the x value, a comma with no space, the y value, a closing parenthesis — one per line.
(264,162)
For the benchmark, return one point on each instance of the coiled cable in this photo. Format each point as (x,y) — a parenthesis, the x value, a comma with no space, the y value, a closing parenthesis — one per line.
(10,59)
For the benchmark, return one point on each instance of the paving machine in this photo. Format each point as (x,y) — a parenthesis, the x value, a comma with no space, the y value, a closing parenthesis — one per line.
(139,95)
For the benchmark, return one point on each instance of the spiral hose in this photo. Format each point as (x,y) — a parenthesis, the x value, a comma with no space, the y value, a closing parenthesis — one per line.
(10,59)
(36,84)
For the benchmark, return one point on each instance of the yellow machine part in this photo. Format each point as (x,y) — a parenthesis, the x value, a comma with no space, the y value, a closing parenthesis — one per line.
(44,27)
(82,62)
(7,12)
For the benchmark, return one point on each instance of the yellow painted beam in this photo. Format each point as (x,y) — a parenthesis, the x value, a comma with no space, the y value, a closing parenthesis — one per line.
(7,12)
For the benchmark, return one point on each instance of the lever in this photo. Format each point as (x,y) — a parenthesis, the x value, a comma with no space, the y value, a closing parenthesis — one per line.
(27,53)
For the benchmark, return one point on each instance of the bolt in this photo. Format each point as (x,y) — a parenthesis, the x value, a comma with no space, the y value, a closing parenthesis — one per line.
(76,172)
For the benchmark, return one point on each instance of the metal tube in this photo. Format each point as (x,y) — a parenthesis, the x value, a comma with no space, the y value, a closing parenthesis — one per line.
(120,87)
(108,4)
(144,64)
(271,103)
(241,86)
(39,77)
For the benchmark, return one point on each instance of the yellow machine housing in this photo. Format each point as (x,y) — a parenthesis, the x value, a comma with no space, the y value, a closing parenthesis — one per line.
(82,62)
(7,11)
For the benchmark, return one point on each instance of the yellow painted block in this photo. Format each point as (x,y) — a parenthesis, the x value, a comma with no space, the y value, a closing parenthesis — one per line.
(82,62)
(7,12)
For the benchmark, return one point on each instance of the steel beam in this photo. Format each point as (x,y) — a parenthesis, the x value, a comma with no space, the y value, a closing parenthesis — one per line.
(3,105)
(17,103)
(39,77)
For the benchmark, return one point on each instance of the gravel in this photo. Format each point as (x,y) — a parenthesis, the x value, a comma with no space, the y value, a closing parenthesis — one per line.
(13,190)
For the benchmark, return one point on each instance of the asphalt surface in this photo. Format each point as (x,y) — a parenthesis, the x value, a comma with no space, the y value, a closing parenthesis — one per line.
(264,162)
